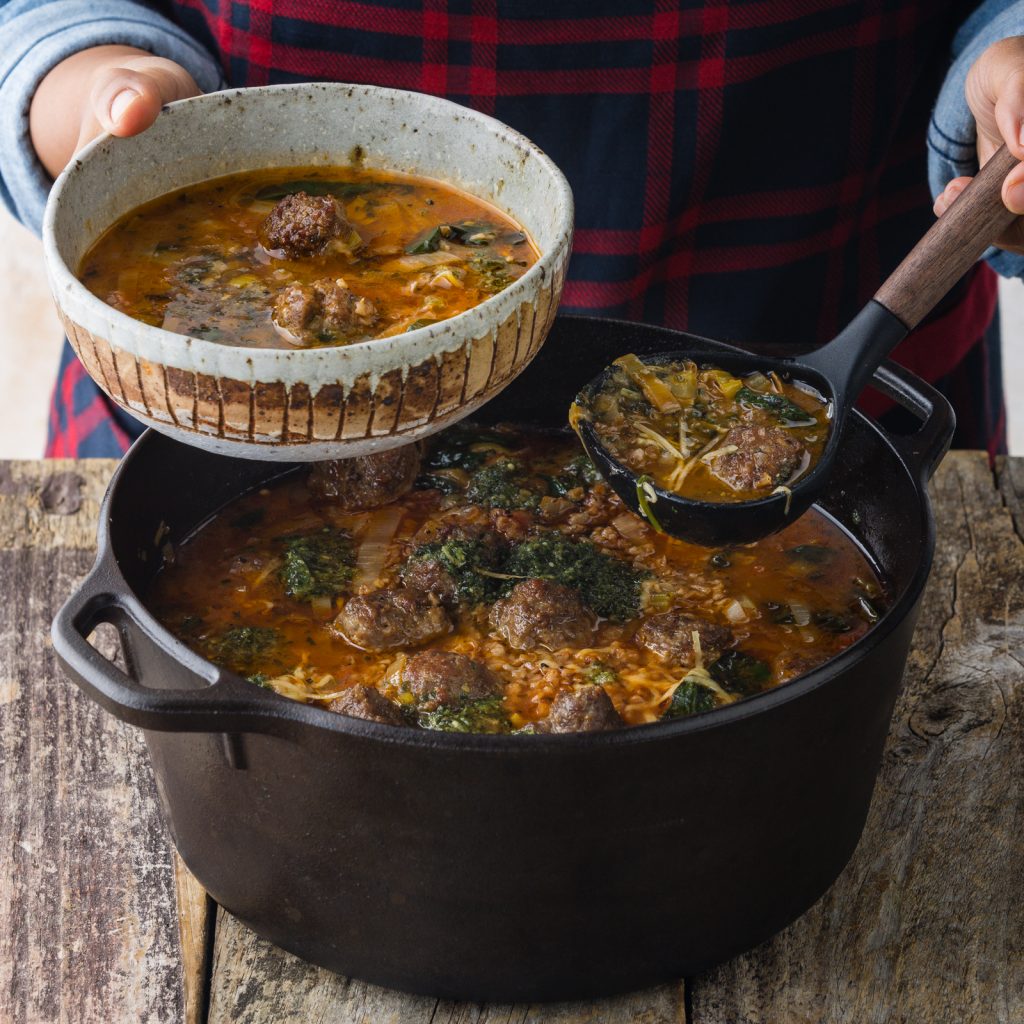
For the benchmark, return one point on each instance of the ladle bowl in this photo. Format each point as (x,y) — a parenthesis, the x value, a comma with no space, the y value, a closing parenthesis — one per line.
(839,371)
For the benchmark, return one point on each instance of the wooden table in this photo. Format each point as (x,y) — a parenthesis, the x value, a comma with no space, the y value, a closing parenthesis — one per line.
(99,923)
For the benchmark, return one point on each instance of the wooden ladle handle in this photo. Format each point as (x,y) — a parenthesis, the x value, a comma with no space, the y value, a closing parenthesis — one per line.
(976,218)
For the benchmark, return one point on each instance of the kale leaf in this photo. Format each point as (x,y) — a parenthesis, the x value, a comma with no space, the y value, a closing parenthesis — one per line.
(425,321)
(502,484)
(600,674)
(811,554)
(463,232)
(610,586)
(241,647)
(436,482)
(492,275)
(832,622)
(741,673)
(783,409)
(464,447)
(485,715)
(463,560)
(689,698)
(318,564)
(577,472)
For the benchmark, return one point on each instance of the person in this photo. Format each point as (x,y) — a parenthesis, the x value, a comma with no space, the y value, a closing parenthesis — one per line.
(746,171)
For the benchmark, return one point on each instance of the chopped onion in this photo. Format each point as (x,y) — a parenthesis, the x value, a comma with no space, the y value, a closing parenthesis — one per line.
(801,613)
(757,381)
(662,442)
(271,565)
(420,261)
(723,381)
(322,606)
(736,612)
(374,544)
(630,527)
(550,506)
(726,449)
(655,390)
(684,384)
(783,489)
(394,670)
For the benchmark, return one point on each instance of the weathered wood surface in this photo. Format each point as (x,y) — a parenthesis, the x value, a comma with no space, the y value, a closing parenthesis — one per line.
(196,916)
(925,925)
(87,910)
(256,983)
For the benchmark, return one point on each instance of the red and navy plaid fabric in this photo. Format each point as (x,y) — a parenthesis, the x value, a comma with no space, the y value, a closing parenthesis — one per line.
(747,170)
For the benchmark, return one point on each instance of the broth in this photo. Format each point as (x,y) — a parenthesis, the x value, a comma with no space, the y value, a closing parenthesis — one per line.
(305,257)
(663,628)
(705,434)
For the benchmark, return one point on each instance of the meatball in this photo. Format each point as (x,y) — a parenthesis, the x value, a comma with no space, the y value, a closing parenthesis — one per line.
(367,481)
(542,613)
(397,617)
(587,709)
(322,311)
(430,575)
(484,547)
(304,225)
(764,456)
(493,542)
(670,636)
(365,702)
(443,678)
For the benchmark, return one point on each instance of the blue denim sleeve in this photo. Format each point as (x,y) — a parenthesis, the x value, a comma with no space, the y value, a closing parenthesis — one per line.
(951,134)
(35,35)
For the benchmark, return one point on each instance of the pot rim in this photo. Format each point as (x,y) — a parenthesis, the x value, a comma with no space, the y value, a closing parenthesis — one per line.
(503,744)
(294,365)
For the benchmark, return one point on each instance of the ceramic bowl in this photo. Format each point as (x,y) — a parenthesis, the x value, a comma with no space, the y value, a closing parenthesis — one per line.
(307,404)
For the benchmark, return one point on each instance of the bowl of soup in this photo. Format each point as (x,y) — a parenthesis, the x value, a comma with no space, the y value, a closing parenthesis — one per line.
(310,271)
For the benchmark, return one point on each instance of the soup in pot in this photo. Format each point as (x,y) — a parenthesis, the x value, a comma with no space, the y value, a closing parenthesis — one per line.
(491,582)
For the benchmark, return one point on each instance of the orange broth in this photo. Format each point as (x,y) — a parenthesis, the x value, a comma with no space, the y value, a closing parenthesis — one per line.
(192,262)
(792,601)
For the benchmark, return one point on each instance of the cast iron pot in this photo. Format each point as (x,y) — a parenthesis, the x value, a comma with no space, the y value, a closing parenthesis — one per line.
(502,867)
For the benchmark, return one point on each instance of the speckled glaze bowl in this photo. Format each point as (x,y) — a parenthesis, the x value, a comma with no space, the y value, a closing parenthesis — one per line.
(307,404)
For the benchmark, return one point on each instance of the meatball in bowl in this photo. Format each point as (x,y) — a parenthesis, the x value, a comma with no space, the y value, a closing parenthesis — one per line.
(339,290)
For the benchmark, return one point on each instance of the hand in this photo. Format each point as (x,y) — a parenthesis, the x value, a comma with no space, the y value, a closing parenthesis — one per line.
(995,94)
(116,89)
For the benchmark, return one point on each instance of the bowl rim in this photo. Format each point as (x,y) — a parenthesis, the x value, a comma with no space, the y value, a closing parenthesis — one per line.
(299,365)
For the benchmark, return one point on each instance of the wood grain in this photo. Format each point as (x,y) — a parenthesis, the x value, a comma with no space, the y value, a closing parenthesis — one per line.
(196,916)
(88,928)
(952,245)
(254,982)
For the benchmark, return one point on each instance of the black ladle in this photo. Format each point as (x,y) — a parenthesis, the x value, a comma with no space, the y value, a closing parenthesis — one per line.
(839,370)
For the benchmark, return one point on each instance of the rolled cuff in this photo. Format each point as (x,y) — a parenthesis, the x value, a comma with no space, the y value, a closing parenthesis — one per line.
(34,38)
(952,138)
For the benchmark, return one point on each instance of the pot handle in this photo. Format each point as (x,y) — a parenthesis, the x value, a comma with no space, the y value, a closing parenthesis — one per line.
(218,701)
(924,449)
